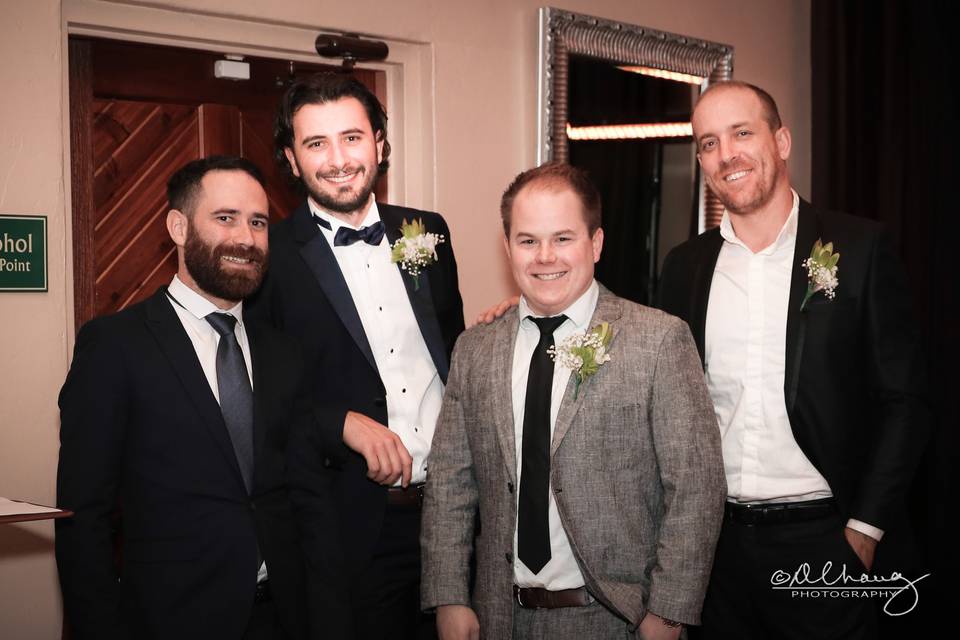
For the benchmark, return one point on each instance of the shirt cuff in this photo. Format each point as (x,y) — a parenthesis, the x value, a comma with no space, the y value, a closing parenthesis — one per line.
(865,529)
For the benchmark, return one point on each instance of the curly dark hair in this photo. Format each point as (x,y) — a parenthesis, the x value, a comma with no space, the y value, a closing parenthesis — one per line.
(320,89)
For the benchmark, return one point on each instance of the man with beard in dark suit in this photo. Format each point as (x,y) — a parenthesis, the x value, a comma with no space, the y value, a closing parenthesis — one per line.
(179,409)
(802,318)
(376,336)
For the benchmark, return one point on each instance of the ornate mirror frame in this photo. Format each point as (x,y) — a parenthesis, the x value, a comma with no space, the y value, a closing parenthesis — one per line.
(563,33)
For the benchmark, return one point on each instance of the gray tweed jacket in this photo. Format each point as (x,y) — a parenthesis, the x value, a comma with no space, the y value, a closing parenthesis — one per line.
(636,471)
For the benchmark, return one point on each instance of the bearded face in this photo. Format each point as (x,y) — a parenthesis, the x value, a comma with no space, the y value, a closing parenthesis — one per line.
(227,271)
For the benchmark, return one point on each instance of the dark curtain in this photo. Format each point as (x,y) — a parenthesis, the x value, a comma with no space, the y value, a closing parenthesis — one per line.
(883,109)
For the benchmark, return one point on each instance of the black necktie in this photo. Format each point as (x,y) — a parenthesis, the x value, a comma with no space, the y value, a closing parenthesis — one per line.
(236,396)
(533,527)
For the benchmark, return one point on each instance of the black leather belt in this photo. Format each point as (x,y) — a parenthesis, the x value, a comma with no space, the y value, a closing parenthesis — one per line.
(533,598)
(780,512)
(263,593)
(412,496)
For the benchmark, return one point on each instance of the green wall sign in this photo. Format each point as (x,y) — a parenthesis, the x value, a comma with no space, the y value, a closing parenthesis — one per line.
(23,253)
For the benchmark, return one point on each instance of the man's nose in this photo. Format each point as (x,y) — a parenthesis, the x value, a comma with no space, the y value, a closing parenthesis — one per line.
(243,235)
(546,253)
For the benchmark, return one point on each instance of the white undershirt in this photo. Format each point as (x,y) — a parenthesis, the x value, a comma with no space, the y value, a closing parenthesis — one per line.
(562,570)
(414,389)
(745,360)
(192,309)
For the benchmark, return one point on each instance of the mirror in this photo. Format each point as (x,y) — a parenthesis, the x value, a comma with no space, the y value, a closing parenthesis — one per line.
(615,99)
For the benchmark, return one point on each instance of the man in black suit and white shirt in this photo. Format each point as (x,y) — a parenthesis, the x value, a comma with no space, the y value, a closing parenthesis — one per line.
(376,338)
(816,379)
(179,409)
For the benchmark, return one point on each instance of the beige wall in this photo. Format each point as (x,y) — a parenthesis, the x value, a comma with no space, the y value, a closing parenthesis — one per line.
(483,101)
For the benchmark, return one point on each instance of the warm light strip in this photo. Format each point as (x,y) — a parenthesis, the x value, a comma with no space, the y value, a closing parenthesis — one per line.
(665,75)
(631,131)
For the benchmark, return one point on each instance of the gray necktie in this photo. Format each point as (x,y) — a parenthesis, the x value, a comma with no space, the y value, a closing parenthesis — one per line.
(236,396)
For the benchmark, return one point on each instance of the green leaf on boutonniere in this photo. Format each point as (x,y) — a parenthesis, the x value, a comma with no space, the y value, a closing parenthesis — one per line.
(822,270)
(583,353)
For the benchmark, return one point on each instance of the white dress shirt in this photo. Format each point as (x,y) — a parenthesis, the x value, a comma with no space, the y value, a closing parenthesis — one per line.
(414,389)
(192,309)
(745,360)
(562,570)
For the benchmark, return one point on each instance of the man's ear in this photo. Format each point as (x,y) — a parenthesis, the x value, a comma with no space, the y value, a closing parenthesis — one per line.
(292,159)
(380,140)
(177,224)
(784,142)
(597,241)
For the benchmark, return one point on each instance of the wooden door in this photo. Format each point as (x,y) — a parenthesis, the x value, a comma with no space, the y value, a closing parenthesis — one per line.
(138,113)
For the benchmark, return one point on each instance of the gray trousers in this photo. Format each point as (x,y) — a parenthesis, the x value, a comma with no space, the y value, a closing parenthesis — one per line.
(593,622)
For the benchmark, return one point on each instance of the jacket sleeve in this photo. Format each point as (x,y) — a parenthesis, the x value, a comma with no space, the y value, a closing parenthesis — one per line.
(93,416)
(897,379)
(687,443)
(450,501)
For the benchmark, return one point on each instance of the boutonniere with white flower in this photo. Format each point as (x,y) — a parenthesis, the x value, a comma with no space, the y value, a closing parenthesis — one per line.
(415,249)
(821,269)
(583,353)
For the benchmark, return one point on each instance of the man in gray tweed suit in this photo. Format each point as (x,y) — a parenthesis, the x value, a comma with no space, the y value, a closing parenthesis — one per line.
(599,482)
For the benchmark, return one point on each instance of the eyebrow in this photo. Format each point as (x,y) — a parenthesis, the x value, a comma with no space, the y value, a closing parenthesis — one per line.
(735,125)
(319,136)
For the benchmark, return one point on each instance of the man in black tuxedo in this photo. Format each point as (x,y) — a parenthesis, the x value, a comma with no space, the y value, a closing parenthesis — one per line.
(817,390)
(376,338)
(158,415)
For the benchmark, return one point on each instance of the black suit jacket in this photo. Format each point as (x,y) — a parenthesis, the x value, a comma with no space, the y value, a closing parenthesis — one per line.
(140,425)
(854,377)
(306,296)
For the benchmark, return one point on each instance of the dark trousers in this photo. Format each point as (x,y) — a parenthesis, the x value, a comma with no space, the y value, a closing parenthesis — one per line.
(264,623)
(742,604)
(386,598)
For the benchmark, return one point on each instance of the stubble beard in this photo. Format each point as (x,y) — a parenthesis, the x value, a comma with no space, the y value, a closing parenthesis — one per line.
(335,204)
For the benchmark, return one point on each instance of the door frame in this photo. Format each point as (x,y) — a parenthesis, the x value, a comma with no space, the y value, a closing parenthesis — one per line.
(408,71)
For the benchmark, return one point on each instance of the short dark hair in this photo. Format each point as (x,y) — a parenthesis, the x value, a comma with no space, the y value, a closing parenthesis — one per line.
(321,88)
(184,184)
(770,111)
(556,176)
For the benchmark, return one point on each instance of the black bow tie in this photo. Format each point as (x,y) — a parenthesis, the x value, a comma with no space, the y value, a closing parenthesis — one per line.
(346,236)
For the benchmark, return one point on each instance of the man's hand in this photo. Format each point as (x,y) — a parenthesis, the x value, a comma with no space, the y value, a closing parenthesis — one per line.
(387,458)
(652,627)
(497,310)
(863,545)
(457,622)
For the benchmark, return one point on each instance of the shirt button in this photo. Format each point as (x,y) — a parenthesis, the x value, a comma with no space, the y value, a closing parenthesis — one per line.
(403,390)
(391,350)
(509,557)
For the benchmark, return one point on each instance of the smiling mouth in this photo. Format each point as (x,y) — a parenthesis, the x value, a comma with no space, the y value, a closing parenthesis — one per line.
(549,276)
(239,261)
(341,178)
(733,177)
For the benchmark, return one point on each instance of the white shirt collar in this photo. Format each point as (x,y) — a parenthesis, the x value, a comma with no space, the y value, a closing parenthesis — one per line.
(787,235)
(579,312)
(198,306)
(373,215)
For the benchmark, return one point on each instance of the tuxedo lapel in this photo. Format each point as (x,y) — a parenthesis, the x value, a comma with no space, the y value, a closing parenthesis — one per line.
(166,327)
(700,291)
(808,230)
(421,298)
(261,383)
(501,383)
(318,255)
(608,310)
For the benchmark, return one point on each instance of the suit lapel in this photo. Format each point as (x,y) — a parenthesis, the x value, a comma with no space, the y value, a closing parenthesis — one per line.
(166,327)
(700,291)
(504,342)
(608,310)
(808,230)
(318,255)
(421,299)
(259,356)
